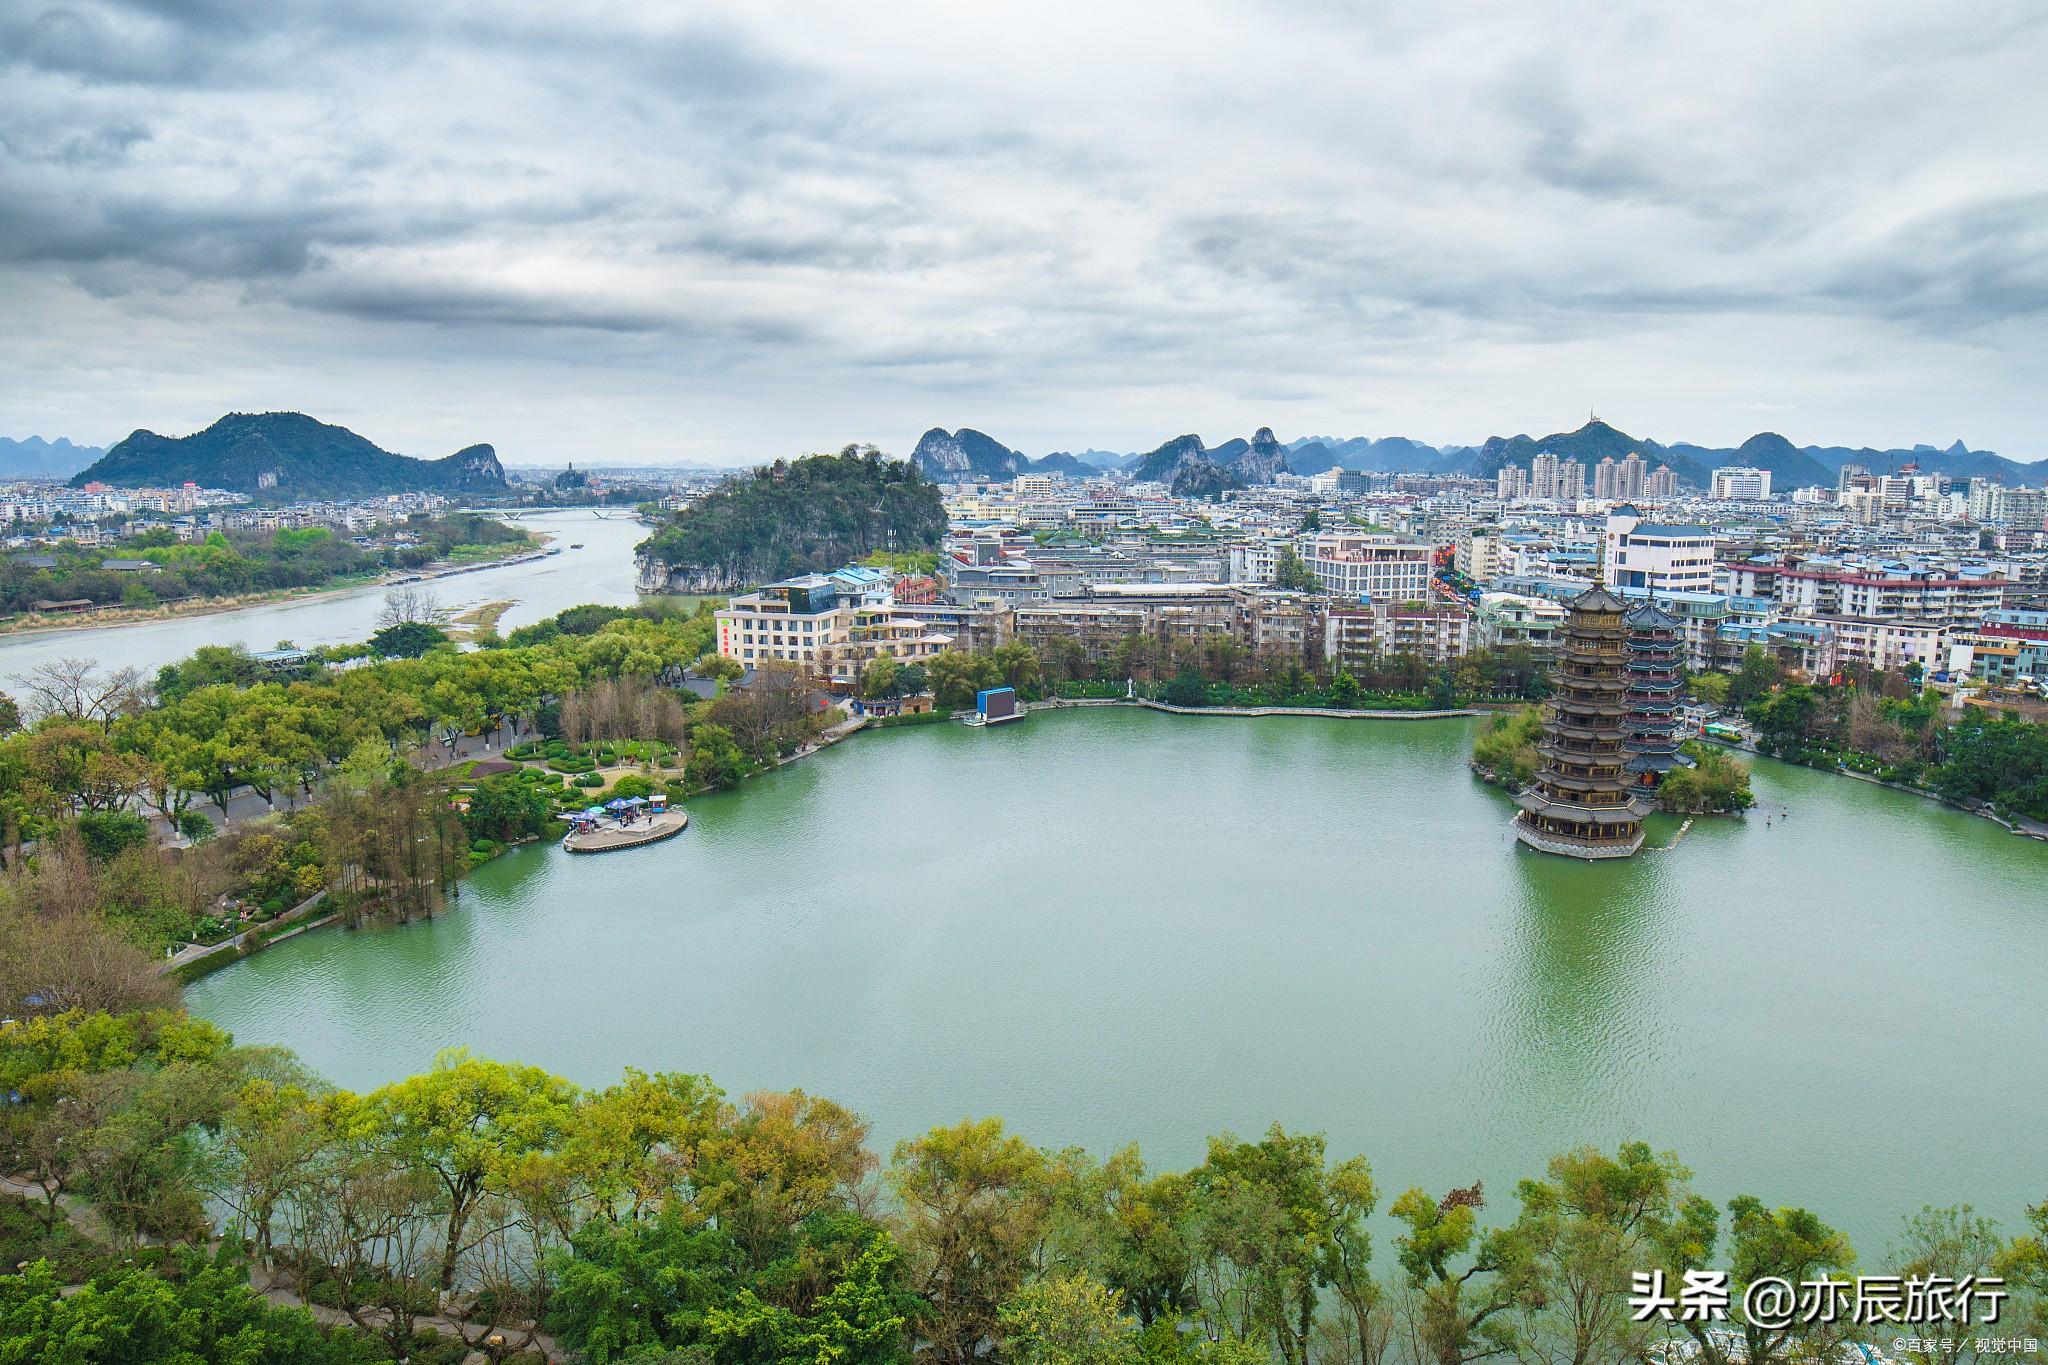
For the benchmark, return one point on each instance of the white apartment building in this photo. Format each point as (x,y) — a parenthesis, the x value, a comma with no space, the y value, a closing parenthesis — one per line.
(1741,483)
(1363,566)
(1658,556)
(1502,619)
(1479,553)
(813,623)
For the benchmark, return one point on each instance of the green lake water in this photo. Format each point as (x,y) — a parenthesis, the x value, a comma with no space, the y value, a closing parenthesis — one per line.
(1115,926)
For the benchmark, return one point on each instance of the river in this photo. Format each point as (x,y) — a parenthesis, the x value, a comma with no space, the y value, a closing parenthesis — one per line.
(1114,926)
(602,571)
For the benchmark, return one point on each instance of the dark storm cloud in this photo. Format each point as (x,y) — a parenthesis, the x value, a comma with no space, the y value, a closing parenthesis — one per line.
(797,218)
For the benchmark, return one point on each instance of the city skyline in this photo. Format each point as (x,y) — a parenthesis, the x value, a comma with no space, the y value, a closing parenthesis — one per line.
(628,238)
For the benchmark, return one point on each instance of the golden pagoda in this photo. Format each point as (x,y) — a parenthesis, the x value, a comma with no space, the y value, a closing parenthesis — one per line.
(1584,802)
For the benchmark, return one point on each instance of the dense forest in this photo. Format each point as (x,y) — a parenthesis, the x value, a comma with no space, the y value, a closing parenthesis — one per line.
(232,563)
(798,516)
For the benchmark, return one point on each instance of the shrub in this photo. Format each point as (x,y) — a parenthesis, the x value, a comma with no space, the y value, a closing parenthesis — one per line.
(108,833)
(589,780)
(571,765)
(1505,752)
(195,825)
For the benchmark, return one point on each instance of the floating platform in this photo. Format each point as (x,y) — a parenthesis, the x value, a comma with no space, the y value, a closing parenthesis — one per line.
(608,837)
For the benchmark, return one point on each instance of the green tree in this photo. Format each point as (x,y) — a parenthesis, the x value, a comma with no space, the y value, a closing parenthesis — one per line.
(715,759)
(1787,1243)
(463,1123)
(505,809)
(407,639)
(1068,1319)
(205,1315)
(975,1203)
(1757,675)
(880,678)
(1467,1280)
(1279,1228)
(1291,571)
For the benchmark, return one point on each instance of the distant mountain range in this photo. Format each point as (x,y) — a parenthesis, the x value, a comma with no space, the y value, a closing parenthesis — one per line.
(1791,466)
(36,458)
(1185,461)
(288,455)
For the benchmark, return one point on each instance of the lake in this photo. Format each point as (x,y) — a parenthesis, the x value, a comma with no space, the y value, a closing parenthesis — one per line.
(1114,925)
(602,571)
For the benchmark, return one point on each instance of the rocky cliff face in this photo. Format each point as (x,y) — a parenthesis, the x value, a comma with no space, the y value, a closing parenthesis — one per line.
(966,455)
(1257,461)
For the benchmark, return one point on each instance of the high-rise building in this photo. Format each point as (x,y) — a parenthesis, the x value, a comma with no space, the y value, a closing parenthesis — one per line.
(1512,482)
(1603,478)
(1617,480)
(1584,802)
(1571,481)
(1662,483)
(1543,476)
(1741,483)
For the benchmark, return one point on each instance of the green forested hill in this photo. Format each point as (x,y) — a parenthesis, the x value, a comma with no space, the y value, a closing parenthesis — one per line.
(288,455)
(798,516)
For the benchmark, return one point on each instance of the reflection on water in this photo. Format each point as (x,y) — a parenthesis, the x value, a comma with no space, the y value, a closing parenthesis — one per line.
(1113,926)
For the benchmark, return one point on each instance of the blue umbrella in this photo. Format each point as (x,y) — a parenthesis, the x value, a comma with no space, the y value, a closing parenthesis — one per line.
(615,804)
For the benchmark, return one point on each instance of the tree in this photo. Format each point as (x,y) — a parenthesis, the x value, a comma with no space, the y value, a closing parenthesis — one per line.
(1291,572)
(1344,691)
(1584,1231)
(1757,675)
(1955,1244)
(1279,1227)
(504,808)
(1466,1280)
(106,833)
(413,606)
(407,639)
(205,1315)
(1711,688)
(1187,688)
(715,760)
(463,1123)
(76,690)
(1785,719)
(1067,1320)
(1788,1243)
(975,1203)
(880,678)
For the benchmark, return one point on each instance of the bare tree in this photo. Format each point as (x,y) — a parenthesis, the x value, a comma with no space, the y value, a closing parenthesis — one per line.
(412,606)
(77,690)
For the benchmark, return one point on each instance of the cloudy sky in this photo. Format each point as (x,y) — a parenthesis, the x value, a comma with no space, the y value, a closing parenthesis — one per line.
(723,232)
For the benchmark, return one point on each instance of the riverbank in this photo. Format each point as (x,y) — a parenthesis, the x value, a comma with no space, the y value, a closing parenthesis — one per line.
(2015,824)
(93,618)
